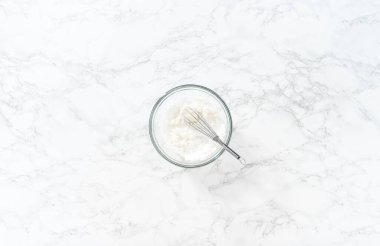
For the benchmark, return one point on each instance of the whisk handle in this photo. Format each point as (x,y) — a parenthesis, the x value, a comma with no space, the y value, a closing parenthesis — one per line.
(228,149)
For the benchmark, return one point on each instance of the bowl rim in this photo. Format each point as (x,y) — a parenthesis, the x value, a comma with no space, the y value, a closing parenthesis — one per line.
(158,103)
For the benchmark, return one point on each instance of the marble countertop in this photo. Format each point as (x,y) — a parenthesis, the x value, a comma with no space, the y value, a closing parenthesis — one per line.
(78,80)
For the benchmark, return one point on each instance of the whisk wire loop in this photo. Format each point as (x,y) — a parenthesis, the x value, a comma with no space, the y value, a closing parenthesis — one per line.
(199,123)
(195,120)
(198,128)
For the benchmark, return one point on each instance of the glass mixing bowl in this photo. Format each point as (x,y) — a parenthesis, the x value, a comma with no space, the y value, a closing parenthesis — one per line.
(155,116)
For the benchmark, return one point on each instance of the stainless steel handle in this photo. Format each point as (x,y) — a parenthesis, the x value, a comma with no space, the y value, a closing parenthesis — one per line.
(225,146)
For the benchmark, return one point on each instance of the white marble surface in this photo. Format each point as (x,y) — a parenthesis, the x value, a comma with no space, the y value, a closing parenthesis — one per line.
(78,80)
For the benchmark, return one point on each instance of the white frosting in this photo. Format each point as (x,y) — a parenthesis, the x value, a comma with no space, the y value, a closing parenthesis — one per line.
(191,144)
(182,142)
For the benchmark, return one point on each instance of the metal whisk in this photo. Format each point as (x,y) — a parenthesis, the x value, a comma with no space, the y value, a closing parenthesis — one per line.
(195,120)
